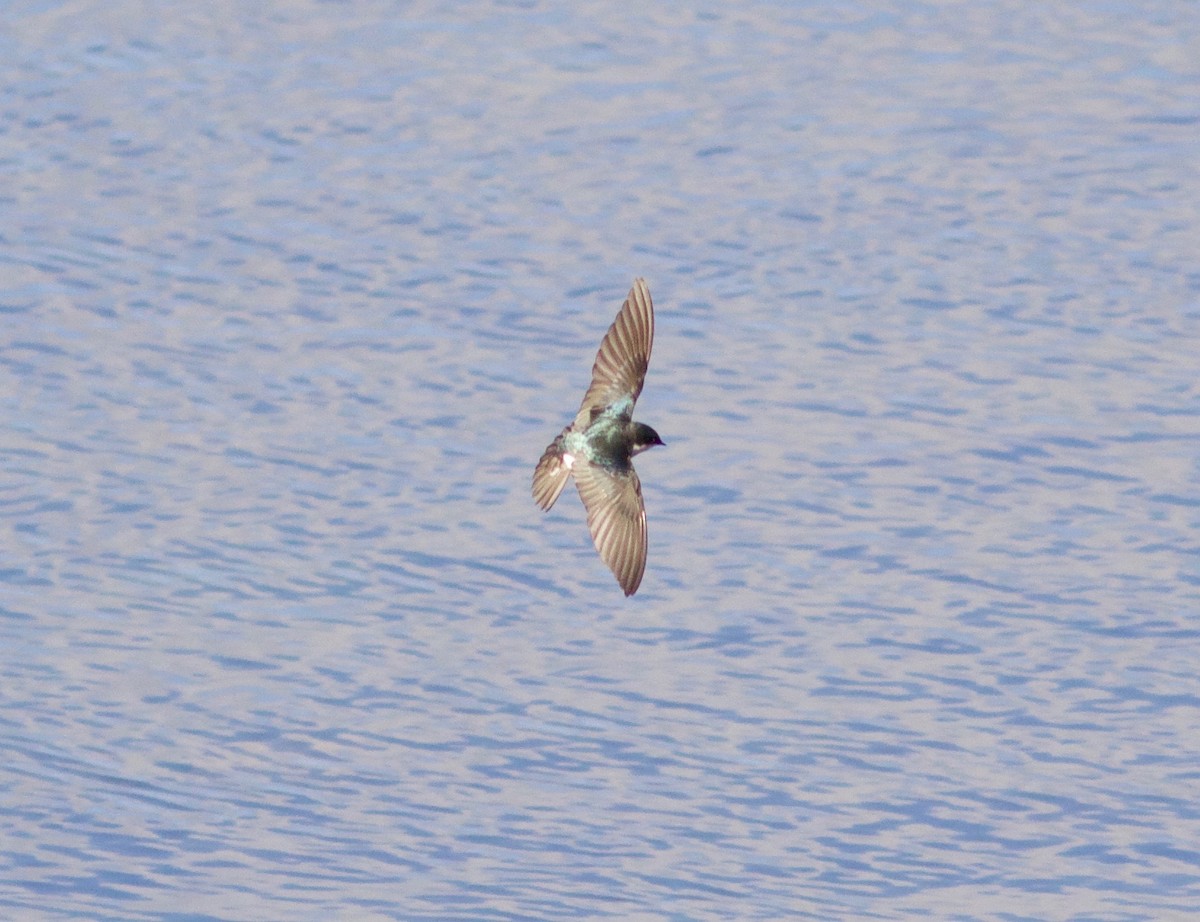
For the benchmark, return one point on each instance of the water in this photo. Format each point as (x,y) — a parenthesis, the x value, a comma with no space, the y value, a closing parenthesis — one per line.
(295,295)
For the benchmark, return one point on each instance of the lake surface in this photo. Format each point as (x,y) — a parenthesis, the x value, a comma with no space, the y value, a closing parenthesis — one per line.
(292,297)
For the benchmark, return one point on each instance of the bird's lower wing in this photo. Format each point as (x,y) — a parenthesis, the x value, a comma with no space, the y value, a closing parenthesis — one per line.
(616,519)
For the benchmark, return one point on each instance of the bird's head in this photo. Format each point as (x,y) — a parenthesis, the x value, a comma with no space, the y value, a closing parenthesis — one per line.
(644,437)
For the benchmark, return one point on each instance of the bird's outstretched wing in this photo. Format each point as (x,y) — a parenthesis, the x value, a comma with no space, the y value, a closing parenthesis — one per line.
(616,519)
(623,358)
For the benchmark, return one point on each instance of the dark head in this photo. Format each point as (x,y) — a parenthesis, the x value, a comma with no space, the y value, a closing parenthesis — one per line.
(644,437)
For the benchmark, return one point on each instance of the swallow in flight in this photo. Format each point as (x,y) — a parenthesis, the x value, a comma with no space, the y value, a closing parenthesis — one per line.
(598,447)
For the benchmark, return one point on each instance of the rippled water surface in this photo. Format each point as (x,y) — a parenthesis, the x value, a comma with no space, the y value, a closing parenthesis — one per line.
(293,295)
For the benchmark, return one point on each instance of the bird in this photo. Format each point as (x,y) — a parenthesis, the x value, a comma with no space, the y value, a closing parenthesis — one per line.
(599,445)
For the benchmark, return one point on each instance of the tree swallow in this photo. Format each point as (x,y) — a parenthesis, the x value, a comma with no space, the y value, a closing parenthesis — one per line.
(598,447)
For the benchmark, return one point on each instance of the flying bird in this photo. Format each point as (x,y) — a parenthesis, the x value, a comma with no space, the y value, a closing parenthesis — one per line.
(598,447)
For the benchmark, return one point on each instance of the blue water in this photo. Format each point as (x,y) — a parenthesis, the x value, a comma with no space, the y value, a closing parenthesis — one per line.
(292,297)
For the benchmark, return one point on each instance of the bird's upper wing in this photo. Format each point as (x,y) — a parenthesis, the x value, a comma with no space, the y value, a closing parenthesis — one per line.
(623,358)
(616,519)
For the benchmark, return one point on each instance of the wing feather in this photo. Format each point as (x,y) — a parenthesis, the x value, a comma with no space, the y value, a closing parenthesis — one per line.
(616,519)
(624,356)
